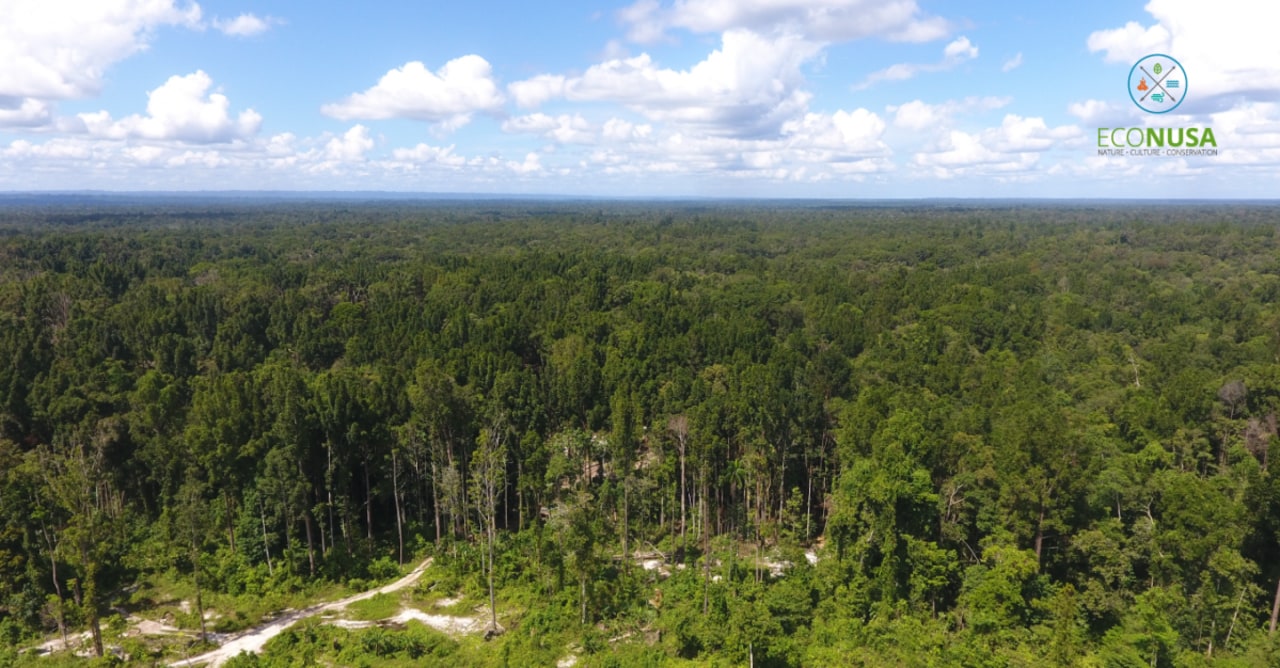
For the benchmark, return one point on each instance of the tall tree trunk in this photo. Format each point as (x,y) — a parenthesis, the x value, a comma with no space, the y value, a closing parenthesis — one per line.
(311,548)
(231,526)
(706,553)
(368,502)
(62,615)
(90,602)
(625,526)
(1275,609)
(328,491)
(266,547)
(1040,533)
(782,490)
(493,603)
(683,500)
(395,495)
(808,495)
(435,497)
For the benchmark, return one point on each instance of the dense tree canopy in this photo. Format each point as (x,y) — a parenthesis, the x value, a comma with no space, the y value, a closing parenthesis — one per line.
(1006,435)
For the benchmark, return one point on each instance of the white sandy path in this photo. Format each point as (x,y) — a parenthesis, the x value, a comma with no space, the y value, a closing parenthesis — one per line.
(253,640)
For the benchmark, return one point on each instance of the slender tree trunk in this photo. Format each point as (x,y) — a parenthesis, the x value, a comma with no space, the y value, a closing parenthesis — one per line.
(231,526)
(706,553)
(1235,615)
(683,500)
(435,498)
(368,502)
(311,548)
(395,495)
(288,533)
(625,526)
(1040,533)
(493,603)
(1275,609)
(782,490)
(328,485)
(266,547)
(90,603)
(62,615)
(808,495)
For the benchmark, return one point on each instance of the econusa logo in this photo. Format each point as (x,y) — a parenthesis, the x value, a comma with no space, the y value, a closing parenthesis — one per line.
(1157,137)
(1158,85)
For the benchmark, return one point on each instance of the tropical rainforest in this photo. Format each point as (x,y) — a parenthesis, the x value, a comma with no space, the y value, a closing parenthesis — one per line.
(642,434)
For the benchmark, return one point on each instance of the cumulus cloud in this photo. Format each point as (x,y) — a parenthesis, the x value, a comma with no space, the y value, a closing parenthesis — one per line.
(617,129)
(749,86)
(564,128)
(245,25)
(448,96)
(1012,63)
(839,136)
(351,146)
(918,115)
(24,112)
(1227,47)
(958,51)
(60,50)
(1013,148)
(534,92)
(1104,113)
(425,154)
(181,109)
(822,20)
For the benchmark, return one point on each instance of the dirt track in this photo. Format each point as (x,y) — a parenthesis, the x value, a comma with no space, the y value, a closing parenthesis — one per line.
(253,639)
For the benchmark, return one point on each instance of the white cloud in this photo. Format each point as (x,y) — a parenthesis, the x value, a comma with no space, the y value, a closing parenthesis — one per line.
(616,129)
(964,152)
(1018,134)
(1104,114)
(1012,63)
(245,25)
(564,128)
(1228,47)
(1012,150)
(918,115)
(533,92)
(424,154)
(822,20)
(958,51)
(749,86)
(448,96)
(181,109)
(532,163)
(60,50)
(144,155)
(24,112)
(351,146)
(1130,43)
(208,159)
(55,149)
(838,136)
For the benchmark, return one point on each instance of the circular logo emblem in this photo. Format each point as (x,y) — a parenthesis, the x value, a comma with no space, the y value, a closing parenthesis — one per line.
(1157,83)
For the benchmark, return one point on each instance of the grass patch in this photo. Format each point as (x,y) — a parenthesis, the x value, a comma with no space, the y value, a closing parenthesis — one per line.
(380,606)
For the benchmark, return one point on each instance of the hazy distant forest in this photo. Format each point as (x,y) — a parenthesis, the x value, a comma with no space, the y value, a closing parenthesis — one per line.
(664,434)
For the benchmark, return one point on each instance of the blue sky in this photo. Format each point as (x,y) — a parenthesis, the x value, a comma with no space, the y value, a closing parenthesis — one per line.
(756,98)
